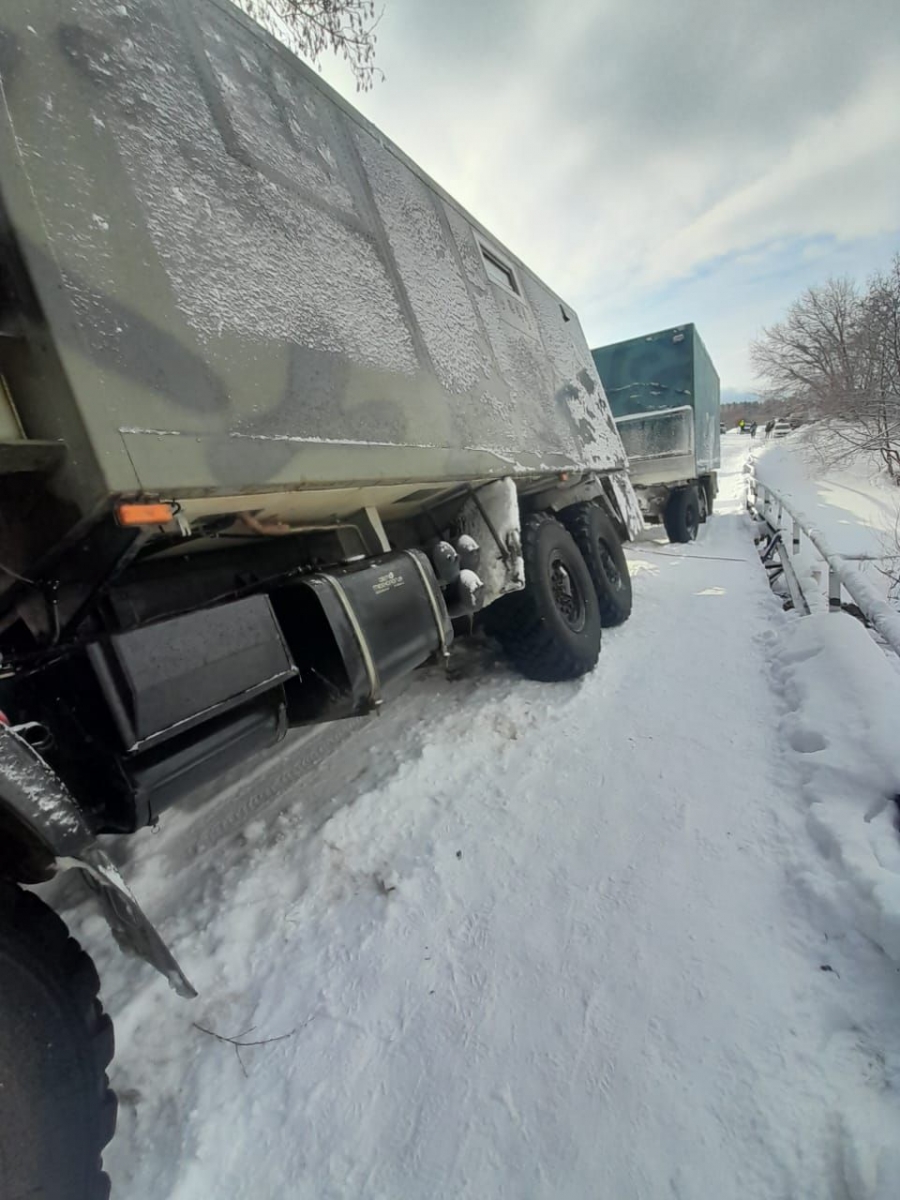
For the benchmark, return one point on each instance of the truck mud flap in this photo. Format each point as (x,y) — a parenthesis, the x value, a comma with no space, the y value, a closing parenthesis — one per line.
(134,933)
(55,836)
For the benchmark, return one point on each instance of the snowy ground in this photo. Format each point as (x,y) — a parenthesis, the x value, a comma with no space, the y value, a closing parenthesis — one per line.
(634,937)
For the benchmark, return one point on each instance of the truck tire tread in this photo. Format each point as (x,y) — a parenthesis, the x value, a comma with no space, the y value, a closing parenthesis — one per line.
(681,516)
(32,930)
(588,524)
(516,620)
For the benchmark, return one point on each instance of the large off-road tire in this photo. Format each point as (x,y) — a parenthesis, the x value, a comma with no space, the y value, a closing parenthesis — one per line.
(596,538)
(681,516)
(56,1109)
(551,630)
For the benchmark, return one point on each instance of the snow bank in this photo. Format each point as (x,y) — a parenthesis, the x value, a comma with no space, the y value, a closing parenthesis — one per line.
(841,699)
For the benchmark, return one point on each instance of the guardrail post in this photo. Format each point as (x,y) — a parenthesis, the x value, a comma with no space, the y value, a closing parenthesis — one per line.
(834,590)
(877,612)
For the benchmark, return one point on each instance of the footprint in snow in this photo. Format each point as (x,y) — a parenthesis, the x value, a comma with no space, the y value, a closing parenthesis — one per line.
(807,741)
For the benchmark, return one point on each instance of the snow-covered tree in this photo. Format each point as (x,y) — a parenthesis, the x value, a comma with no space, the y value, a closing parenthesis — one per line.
(312,28)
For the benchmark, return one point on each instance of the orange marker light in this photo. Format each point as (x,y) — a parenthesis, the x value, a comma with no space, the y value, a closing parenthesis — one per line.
(144,514)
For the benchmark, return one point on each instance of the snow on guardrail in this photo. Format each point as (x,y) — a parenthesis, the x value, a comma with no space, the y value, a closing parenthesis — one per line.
(772,507)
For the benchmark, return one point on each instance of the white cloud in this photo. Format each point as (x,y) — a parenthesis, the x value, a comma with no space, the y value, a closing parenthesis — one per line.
(840,177)
(624,150)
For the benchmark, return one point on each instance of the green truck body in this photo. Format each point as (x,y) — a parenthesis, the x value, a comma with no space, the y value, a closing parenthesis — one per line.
(228,283)
(279,420)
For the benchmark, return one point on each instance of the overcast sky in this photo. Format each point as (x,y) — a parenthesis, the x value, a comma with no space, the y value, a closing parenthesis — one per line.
(657,162)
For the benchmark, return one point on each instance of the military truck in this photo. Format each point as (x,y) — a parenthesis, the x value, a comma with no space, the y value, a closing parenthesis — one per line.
(278,419)
(664,394)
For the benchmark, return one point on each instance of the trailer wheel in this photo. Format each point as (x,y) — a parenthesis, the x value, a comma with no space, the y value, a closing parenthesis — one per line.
(551,630)
(703,503)
(681,516)
(56,1109)
(596,538)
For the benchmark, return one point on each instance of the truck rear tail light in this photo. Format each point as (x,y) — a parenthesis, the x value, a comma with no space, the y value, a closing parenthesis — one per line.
(145,514)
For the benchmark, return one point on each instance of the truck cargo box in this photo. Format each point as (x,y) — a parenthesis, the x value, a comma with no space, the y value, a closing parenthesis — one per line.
(666,370)
(224,281)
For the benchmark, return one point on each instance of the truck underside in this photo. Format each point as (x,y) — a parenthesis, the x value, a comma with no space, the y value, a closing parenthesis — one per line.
(142,660)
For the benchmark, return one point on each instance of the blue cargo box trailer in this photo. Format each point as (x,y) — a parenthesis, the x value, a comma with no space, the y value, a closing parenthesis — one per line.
(664,394)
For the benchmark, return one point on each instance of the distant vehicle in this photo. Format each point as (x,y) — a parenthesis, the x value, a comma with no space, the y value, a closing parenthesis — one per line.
(664,393)
(722,428)
(782,428)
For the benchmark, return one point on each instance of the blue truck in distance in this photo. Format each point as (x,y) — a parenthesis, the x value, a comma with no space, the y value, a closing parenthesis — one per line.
(664,394)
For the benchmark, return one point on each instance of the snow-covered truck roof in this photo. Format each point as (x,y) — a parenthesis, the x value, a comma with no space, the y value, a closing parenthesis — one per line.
(248,288)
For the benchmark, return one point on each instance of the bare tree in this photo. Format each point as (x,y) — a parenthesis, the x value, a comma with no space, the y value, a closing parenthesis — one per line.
(880,336)
(312,28)
(890,562)
(808,356)
(836,357)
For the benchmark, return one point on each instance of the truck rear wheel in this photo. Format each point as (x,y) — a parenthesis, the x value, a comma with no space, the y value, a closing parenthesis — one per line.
(551,630)
(708,486)
(681,516)
(56,1109)
(596,538)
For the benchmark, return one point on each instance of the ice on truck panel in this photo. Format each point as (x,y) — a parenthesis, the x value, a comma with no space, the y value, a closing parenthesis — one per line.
(248,287)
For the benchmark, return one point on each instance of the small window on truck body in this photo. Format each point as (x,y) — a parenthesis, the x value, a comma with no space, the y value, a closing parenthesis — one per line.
(499,271)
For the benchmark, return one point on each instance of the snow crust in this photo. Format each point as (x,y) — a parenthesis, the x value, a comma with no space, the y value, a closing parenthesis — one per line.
(501,571)
(23,767)
(471,582)
(315,282)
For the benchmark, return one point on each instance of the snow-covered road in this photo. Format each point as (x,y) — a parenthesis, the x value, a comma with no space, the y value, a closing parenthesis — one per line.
(546,941)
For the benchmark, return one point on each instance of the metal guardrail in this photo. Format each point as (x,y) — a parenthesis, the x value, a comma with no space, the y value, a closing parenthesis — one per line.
(773,509)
